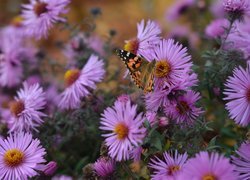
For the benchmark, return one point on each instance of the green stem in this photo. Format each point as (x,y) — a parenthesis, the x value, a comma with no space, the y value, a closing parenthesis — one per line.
(227,33)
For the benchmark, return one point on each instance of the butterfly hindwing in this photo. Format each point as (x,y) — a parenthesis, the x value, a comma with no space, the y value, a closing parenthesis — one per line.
(141,71)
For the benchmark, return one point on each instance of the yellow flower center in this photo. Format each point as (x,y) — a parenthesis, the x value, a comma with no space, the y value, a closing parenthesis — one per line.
(162,69)
(182,107)
(17,21)
(173,169)
(71,76)
(209,177)
(40,7)
(16,107)
(13,157)
(121,130)
(132,46)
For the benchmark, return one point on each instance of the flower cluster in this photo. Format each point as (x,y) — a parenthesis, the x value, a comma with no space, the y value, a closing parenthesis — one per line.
(173,126)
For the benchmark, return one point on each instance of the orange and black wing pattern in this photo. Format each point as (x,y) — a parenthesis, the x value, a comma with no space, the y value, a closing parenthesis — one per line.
(141,71)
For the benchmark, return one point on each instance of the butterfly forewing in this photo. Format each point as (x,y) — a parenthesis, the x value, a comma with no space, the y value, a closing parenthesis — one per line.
(141,71)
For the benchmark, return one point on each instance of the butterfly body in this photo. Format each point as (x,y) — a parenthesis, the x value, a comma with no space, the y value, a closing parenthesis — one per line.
(141,71)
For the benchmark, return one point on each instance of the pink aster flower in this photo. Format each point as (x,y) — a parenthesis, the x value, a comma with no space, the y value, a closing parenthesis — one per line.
(172,64)
(208,166)
(26,108)
(169,167)
(183,109)
(217,28)
(243,161)
(147,38)
(178,8)
(19,156)
(124,129)
(40,15)
(237,93)
(79,82)
(104,167)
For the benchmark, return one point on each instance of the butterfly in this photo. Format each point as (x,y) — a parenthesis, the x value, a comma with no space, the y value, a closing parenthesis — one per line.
(141,71)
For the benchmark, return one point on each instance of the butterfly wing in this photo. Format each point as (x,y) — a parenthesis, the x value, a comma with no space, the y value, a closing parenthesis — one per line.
(132,61)
(141,71)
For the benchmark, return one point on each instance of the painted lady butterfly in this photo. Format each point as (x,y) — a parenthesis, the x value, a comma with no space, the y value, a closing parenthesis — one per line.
(141,71)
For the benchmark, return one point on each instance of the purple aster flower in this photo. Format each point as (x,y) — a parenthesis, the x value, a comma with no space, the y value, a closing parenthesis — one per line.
(159,98)
(77,46)
(208,166)
(49,169)
(217,9)
(79,81)
(172,64)
(183,109)
(74,49)
(96,43)
(178,8)
(239,38)
(124,129)
(151,116)
(10,59)
(163,121)
(62,177)
(243,161)
(136,154)
(169,167)
(237,8)
(186,35)
(26,108)
(19,156)
(123,98)
(217,28)
(147,38)
(33,79)
(40,15)
(237,93)
(14,51)
(52,98)
(104,167)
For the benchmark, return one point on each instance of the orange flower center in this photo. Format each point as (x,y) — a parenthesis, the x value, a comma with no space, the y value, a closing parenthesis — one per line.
(132,46)
(40,8)
(16,107)
(182,107)
(13,157)
(162,69)
(71,76)
(209,177)
(17,21)
(121,130)
(173,169)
